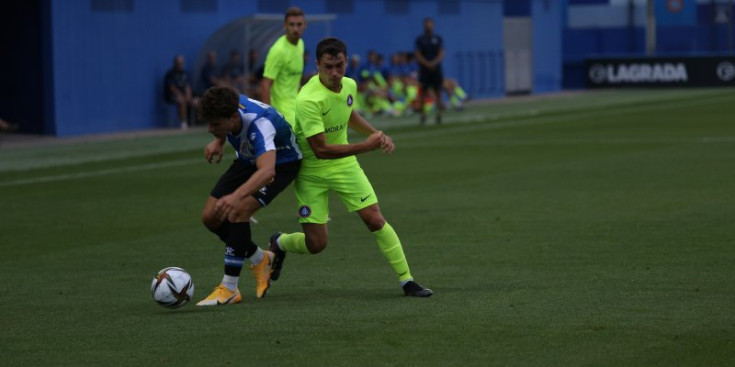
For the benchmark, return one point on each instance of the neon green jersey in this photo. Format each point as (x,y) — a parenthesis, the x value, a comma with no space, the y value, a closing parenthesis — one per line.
(285,66)
(319,110)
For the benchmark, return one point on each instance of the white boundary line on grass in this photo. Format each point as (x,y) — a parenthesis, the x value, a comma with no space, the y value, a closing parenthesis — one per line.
(534,117)
(102,172)
(531,117)
(561,142)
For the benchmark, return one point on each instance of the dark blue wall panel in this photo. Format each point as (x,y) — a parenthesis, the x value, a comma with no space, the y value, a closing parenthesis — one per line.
(107,58)
(517,8)
(547,45)
(108,64)
(580,44)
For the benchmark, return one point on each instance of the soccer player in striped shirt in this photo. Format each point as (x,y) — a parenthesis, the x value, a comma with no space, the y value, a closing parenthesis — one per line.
(268,159)
(324,111)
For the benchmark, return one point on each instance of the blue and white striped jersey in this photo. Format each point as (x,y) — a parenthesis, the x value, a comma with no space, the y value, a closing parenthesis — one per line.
(263,129)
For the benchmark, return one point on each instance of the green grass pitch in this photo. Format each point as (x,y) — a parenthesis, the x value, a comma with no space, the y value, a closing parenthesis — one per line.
(591,229)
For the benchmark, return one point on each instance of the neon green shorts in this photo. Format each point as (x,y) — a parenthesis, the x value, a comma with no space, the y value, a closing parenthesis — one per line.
(312,192)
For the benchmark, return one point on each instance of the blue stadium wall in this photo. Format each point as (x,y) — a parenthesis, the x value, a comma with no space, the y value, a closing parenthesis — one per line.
(616,28)
(104,60)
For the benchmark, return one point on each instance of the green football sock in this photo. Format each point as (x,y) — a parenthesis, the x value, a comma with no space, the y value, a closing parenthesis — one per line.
(293,242)
(391,247)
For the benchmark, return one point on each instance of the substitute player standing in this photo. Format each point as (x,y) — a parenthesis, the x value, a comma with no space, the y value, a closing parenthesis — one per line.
(268,159)
(324,111)
(284,66)
(429,54)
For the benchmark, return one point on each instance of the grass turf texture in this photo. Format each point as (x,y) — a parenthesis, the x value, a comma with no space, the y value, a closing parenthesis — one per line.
(592,229)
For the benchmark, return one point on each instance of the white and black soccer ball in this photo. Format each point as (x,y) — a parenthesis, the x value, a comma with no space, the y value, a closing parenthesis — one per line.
(172,287)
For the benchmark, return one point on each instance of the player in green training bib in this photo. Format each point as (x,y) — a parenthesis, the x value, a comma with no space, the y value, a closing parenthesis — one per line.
(323,114)
(284,66)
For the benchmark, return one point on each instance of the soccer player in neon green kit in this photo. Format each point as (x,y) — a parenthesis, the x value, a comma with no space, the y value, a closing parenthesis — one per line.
(284,66)
(323,113)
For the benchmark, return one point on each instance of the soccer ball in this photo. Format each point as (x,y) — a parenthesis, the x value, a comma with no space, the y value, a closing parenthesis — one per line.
(172,287)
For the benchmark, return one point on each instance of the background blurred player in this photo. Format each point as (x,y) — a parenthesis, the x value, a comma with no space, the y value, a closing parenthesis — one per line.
(177,90)
(324,111)
(233,72)
(429,54)
(284,65)
(268,159)
(208,77)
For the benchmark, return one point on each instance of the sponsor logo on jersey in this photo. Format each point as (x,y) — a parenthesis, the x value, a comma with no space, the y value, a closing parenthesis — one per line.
(334,129)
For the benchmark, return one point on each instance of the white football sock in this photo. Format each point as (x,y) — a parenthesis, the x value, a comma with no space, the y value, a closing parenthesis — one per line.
(230,282)
(257,257)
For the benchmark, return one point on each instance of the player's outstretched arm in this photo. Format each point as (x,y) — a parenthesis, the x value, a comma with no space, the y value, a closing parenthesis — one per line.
(322,150)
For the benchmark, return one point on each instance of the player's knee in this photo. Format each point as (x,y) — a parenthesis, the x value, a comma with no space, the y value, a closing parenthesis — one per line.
(316,246)
(209,220)
(375,223)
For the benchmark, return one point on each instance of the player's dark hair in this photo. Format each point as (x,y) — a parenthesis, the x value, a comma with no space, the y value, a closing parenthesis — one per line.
(293,11)
(331,46)
(218,103)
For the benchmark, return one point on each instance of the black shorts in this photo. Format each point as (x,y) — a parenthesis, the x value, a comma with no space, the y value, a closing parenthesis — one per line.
(431,79)
(239,173)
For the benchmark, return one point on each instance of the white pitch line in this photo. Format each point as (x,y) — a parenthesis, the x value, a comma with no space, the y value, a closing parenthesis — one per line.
(563,142)
(536,118)
(102,172)
(524,118)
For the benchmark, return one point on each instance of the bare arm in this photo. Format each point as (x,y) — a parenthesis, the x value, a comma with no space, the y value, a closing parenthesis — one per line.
(322,150)
(265,95)
(361,125)
(265,173)
(375,139)
(214,150)
(229,205)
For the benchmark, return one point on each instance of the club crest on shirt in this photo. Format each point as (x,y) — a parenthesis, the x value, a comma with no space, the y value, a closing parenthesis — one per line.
(349,100)
(252,137)
(304,211)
